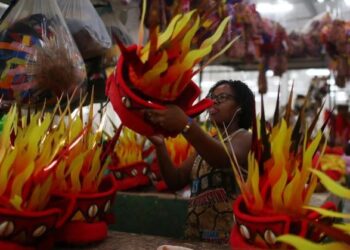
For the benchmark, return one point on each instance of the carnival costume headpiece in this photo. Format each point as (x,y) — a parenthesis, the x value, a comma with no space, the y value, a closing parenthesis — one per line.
(160,73)
(279,184)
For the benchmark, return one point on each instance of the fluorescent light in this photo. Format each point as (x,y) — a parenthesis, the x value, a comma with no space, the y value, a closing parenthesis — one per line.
(279,7)
(320,1)
(269,73)
(207,84)
(318,72)
(347,2)
(341,98)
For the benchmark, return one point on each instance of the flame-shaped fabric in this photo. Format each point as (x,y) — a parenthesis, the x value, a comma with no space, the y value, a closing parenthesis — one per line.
(165,64)
(341,230)
(82,170)
(178,148)
(129,148)
(34,144)
(285,174)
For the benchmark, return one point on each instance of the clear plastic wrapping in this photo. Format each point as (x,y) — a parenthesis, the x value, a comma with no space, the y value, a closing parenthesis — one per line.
(38,57)
(86,26)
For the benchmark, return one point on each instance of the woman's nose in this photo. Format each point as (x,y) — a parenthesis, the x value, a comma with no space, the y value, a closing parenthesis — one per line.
(216,101)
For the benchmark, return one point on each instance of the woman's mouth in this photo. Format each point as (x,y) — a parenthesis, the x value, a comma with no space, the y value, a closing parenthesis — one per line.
(213,111)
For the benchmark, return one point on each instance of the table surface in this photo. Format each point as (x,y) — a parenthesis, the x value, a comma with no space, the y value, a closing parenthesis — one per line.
(129,241)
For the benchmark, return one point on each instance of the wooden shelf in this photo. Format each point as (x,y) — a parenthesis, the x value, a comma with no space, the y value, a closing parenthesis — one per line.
(293,63)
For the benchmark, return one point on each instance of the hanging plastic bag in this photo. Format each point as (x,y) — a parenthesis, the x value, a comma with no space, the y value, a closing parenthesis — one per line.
(86,26)
(38,57)
(116,30)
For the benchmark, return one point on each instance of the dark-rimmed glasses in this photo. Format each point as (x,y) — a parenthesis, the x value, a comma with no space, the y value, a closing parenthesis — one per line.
(221,97)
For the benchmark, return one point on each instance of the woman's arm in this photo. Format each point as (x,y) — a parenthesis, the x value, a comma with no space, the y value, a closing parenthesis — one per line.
(173,119)
(211,150)
(175,177)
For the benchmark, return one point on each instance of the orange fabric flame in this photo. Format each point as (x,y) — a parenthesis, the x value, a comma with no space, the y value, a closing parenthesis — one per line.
(165,64)
(34,145)
(285,175)
(178,148)
(129,147)
(82,169)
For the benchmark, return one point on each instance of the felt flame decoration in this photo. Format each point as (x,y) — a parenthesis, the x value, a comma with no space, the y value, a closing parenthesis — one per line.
(178,148)
(129,147)
(333,162)
(339,232)
(34,144)
(83,168)
(279,165)
(164,66)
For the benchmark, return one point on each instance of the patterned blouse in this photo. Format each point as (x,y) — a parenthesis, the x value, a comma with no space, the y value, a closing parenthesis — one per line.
(213,190)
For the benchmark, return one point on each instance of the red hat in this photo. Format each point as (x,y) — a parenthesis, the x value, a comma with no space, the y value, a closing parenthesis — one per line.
(129,101)
(160,73)
(260,231)
(89,216)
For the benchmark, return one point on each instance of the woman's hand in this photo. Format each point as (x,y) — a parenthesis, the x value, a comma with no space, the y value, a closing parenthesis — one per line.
(157,140)
(172,119)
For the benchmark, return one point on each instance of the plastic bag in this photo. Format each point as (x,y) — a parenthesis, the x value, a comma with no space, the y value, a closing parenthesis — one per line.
(114,26)
(116,30)
(128,12)
(86,26)
(38,57)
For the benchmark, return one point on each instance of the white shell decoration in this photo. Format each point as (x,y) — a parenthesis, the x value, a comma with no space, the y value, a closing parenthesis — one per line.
(270,237)
(244,231)
(39,231)
(6,228)
(93,210)
(107,206)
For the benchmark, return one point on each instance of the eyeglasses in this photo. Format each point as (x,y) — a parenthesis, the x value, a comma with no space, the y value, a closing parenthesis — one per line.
(220,98)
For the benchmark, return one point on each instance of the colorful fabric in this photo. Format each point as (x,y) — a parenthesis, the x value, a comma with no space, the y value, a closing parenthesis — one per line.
(210,209)
(15,50)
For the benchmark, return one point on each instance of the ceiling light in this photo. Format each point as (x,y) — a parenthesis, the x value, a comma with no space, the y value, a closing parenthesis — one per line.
(269,73)
(320,1)
(277,8)
(318,72)
(347,2)
(341,97)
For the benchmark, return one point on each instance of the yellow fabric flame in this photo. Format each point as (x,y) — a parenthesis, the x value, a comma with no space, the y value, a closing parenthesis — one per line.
(129,147)
(169,56)
(286,173)
(343,227)
(253,183)
(36,143)
(40,192)
(333,162)
(178,148)
(328,213)
(331,185)
(335,188)
(301,243)
(81,171)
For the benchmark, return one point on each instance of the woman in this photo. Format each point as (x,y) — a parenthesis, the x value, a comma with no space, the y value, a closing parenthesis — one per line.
(209,170)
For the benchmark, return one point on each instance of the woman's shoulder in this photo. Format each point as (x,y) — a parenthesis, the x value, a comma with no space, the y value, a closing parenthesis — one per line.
(241,133)
(244,137)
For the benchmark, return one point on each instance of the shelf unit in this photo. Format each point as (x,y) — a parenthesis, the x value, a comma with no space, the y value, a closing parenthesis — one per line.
(293,63)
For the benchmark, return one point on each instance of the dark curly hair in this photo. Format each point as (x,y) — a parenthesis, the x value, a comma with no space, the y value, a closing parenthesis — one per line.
(245,99)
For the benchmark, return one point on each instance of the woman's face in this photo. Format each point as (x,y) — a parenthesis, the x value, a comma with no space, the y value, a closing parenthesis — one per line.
(224,106)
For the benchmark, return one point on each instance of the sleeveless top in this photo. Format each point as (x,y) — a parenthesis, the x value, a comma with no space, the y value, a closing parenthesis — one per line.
(213,190)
